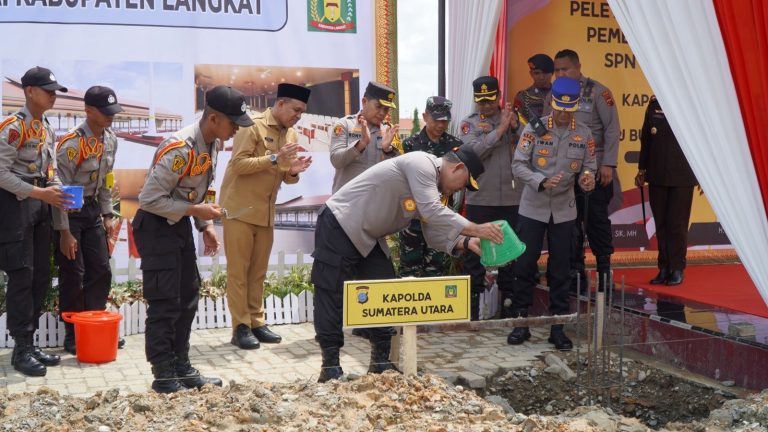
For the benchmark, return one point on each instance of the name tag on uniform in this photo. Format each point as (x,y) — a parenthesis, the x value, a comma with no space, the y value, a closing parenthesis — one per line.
(109,180)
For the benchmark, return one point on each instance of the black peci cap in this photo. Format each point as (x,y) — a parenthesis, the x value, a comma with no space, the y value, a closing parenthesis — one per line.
(473,164)
(293,91)
(486,88)
(230,102)
(103,98)
(542,62)
(384,94)
(43,78)
(439,108)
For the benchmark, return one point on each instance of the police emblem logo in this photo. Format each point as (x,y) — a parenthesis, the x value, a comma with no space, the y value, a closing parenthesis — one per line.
(391,97)
(13,136)
(566,98)
(608,98)
(409,204)
(178,164)
(338,130)
(111,99)
(525,145)
(465,128)
(243,107)
(546,137)
(192,195)
(574,165)
(71,153)
(654,130)
(94,175)
(542,162)
(577,138)
(362,294)
(32,167)
(544,151)
(483,88)
(451,291)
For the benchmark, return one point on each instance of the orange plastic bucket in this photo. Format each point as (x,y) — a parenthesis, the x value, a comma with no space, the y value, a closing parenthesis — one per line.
(96,335)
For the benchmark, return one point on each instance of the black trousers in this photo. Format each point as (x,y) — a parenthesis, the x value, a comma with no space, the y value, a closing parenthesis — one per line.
(171,283)
(472,267)
(85,281)
(598,227)
(531,233)
(336,260)
(671,207)
(25,251)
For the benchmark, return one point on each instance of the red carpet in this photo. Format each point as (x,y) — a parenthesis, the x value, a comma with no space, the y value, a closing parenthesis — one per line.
(727,286)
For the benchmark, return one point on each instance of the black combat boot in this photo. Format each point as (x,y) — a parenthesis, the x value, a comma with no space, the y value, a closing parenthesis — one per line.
(519,334)
(69,338)
(23,359)
(559,339)
(380,356)
(660,278)
(166,380)
(190,377)
(331,368)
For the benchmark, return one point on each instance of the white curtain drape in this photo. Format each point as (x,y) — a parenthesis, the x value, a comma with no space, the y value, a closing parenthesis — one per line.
(680,49)
(470,40)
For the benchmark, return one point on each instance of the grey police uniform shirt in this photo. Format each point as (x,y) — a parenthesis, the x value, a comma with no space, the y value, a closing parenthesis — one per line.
(26,152)
(348,161)
(85,160)
(569,150)
(182,170)
(597,110)
(385,198)
(497,185)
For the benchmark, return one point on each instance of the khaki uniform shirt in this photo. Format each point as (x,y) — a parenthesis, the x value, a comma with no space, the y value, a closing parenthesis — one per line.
(26,152)
(181,173)
(597,110)
(348,161)
(86,160)
(251,179)
(497,186)
(368,212)
(569,150)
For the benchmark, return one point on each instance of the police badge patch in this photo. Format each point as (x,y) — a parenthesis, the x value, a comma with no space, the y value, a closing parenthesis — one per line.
(338,130)
(71,153)
(13,135)
(465,128)
(178,164)
(608,98)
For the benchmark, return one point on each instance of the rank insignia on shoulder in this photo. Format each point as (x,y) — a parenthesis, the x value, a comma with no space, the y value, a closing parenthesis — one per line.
(71,153)
(338,130)
(178,164)
(409,204)
(608,98)
(465,128)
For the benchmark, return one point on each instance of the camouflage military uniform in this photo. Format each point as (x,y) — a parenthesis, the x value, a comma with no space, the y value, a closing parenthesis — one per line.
(416,258)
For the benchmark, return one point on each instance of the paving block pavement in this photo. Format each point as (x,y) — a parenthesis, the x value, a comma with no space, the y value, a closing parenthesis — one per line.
(467,357)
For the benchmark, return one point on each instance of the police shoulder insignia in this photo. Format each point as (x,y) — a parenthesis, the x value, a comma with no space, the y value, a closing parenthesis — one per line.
(591,147)
(13,136)
(608,98)
(71,153)
(409,204)
(178,164)
(465,128)
(338,130)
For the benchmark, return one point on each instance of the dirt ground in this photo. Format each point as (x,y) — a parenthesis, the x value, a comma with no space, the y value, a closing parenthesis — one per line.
(390,402)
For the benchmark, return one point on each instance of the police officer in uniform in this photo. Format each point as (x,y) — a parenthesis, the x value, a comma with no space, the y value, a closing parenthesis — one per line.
(549,165)
(416,258)
(597,110)
(86,156)
(350,237)
(263,158)
(28,186)
(663,165)
(358,141)
(490,132)
(175,187)
(530,101)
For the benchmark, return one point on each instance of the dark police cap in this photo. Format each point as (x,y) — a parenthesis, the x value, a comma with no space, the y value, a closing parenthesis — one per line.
(439,108)
(565,94)
(542,62)
(230,102)
(43,78)
(473,164)
(293,91)
(384,94)
(104,99)
(486,88)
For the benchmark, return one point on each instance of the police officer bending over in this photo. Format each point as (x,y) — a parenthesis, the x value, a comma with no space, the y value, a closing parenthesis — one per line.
(28,184)
(549,165)
(176,185)
(86,156)
(350,236)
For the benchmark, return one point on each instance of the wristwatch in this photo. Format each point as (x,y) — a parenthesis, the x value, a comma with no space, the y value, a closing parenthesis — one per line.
(273,159)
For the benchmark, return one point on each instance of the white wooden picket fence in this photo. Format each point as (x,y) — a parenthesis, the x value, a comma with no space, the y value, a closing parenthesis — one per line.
(212,313)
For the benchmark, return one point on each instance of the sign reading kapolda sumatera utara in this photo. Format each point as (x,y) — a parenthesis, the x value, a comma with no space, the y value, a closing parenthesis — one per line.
(406,301)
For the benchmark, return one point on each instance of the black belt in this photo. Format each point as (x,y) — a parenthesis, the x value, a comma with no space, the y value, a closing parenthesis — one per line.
(35,181)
